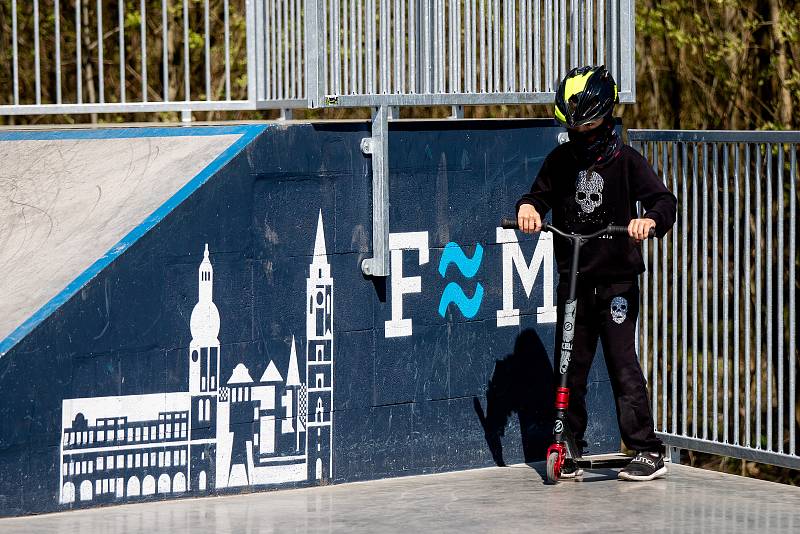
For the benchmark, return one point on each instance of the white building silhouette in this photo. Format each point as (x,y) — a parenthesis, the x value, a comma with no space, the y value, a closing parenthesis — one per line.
(211,436)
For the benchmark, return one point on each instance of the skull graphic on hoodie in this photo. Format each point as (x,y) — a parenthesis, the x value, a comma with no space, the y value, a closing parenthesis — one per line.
(588,200)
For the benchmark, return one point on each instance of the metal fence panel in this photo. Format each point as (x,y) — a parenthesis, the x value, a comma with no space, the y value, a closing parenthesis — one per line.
(724,382)
(115,56)
(469,52)
(106,56)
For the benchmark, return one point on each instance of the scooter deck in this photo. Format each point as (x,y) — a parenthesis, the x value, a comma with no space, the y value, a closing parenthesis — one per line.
(596,461)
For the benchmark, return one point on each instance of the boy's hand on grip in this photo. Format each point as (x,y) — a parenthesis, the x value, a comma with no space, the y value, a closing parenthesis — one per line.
(639,229)
(528,219)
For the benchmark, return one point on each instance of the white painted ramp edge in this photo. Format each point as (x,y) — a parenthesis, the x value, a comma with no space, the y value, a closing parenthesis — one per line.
(214,147)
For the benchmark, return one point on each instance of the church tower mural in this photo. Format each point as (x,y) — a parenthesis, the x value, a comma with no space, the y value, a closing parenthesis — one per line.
(319,361)
(125,447)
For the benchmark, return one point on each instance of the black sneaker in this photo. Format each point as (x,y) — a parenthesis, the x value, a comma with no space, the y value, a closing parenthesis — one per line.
(570,469)
(644,466)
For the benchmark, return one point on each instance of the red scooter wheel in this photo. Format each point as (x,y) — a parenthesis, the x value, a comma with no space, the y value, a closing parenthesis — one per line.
(553,467)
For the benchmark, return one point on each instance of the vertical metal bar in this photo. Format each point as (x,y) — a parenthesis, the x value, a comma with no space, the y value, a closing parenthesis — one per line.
(715,282)
(726,273)
(705,290)
(121,29)
(259,55)
(143,48)
(656,353)
(645,315)
(589,34)
(614,41)
(563,39)
(100,62)
(78,51)
(674,297)
(769,266)
(511,51)
(277,59)
(523,45)
(397,88)
(36,58)
(299,48)
(684,282)
(359,38)
(165,50)
(15,50)
(378,265)
(793,177)
(780,300)
(483,56)
(537,46)
(531,61)
(384,44)
(574,37)
(746,308)
(227,23)
(601,31)
(207,38)
(548,46)
(695,293)
(664,307)
(57,25)
(758,275)
(412,46)
(737,220)
(186,80)
(291,48)
(369,41)
(457,47)
(496,60)
(287,49)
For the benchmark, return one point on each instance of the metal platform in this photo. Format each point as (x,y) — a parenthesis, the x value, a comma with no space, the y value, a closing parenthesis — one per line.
(511,499)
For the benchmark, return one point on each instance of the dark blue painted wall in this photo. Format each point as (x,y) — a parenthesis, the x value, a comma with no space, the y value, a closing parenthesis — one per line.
(450,396)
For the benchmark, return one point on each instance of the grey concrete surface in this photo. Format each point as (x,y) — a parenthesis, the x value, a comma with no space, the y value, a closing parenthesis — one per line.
(65,203)
(512,499)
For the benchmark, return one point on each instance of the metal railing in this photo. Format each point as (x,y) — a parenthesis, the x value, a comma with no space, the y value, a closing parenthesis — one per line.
(465,52)
(717,331)
(119,56)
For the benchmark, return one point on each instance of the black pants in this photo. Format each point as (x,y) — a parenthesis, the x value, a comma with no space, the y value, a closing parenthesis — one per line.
(608,311)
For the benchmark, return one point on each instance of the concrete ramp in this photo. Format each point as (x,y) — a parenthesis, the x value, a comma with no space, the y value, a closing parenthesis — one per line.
(71,200)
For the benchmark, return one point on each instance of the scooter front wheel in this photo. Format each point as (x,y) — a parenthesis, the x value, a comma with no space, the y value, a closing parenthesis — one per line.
(553,468)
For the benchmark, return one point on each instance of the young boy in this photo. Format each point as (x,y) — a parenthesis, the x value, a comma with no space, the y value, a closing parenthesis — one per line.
(590,182)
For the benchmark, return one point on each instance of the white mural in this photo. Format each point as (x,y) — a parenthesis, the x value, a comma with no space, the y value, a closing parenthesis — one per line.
(240,432)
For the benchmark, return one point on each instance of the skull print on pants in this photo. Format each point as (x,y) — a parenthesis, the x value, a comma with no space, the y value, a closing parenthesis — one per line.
(589,191)
(619,309)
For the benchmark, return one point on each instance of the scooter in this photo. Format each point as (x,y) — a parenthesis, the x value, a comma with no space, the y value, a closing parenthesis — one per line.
(564,445)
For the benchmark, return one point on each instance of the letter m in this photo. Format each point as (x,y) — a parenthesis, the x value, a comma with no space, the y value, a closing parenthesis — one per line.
(514,260)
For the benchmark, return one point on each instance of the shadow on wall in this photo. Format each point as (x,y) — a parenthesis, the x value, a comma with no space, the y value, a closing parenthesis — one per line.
(522,382)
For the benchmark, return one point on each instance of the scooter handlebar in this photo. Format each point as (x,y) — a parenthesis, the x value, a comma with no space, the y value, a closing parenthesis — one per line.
(511,224)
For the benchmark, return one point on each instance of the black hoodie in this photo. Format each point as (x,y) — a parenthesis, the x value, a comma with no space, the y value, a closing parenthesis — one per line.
(584,200)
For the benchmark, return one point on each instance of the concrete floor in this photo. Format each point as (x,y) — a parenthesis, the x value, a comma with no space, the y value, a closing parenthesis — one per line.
(511,499)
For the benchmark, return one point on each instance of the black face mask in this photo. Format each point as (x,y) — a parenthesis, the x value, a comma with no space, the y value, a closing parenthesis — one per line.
(597,145)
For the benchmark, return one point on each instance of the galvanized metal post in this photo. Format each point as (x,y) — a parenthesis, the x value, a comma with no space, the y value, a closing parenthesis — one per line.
(315,58)
(378,147)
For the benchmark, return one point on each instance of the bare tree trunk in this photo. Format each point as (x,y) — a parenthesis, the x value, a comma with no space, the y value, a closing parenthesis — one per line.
(779,42)
(88,66)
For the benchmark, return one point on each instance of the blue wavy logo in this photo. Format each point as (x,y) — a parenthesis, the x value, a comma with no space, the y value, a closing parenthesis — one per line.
(454,294)
(454,254)
(468,267)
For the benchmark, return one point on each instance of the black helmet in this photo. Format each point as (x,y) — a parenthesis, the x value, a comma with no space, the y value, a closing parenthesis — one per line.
(585,95)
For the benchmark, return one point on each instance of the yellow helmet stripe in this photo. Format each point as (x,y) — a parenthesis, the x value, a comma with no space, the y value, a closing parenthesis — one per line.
(575,85)
(560,116)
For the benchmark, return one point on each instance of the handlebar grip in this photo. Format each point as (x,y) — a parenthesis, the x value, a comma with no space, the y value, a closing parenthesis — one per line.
(509,224)
(623,230)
